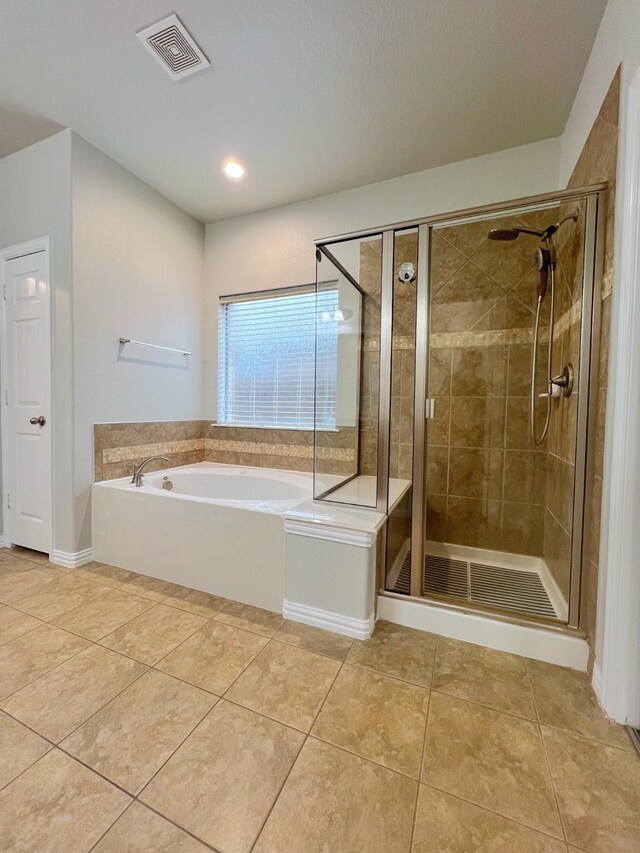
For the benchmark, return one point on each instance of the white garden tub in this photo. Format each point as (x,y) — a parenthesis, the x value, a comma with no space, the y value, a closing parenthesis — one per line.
(220,528)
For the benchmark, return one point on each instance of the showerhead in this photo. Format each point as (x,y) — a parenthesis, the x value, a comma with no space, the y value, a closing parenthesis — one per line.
(504,234)
(541,259)
(509,234)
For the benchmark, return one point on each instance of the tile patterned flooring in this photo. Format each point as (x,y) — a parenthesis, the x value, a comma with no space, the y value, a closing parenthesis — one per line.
(137,715)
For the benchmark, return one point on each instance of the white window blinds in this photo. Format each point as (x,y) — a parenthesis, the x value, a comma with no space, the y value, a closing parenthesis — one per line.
(267,358)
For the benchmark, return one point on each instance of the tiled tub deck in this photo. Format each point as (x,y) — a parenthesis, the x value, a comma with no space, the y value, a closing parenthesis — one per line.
(139,715)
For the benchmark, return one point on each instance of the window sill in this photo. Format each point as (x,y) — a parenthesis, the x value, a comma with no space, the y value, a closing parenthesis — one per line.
(271,426)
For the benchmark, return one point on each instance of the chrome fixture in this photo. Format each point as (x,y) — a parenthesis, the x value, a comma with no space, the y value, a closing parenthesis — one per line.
(407,272)
(167,484)
(153,346)
(40,420)
(544,261)
(137,471)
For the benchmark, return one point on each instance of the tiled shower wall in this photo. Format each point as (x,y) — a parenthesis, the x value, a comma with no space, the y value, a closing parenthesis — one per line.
(485,478)
(119,447)
(596,163)
(403,358)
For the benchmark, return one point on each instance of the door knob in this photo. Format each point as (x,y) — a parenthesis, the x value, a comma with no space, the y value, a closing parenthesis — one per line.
(40,420)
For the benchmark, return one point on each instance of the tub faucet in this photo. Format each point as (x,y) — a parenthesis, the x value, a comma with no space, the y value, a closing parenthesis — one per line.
(137,471)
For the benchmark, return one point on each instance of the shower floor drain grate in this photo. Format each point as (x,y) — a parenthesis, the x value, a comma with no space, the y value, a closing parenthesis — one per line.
(480,583)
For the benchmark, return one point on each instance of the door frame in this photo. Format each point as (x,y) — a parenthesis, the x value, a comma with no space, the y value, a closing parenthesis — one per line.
(41,244)
(616,673)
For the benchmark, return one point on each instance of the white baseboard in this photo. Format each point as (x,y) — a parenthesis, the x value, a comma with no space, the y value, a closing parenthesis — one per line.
(361,629)
(71,559)
(596,680)
(529,641)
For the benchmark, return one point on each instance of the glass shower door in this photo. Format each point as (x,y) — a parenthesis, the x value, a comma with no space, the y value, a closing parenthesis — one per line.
(496,514)
(348,288)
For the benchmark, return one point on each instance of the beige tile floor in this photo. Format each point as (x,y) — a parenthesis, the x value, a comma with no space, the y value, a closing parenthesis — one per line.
(137,715)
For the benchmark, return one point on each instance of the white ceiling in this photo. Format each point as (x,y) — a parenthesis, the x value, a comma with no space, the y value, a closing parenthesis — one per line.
(314,96)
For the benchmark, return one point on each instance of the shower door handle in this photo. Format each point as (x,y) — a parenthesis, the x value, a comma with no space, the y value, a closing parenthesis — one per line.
(430,409)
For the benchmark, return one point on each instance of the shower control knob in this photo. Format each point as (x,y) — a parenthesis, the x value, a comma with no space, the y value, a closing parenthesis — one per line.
(563,382)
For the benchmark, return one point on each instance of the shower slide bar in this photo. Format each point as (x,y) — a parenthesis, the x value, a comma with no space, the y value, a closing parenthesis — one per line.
(154,346)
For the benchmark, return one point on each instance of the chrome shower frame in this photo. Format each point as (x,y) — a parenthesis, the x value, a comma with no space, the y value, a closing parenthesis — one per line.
(587,384)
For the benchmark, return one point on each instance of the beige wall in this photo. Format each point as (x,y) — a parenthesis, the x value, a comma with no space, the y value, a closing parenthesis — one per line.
(137,272)
(274,248)
(35,201)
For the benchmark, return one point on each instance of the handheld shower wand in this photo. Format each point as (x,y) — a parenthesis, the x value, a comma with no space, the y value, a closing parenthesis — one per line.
(544,261)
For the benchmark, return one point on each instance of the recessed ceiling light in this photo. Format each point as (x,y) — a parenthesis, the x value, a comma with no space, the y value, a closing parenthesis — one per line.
(234,170)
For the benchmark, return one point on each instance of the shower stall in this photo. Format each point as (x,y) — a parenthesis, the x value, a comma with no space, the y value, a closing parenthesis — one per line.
(466,372)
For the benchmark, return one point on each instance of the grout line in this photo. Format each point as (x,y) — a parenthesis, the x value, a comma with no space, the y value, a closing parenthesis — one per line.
(111,825)
(173,752)
(553,784)
(365,758)
(28,631)
(107,633)
(50,669)
(24,770)
(478,704)
(306,737)
(57,743)
(420,766)
(509,819)
(479,805)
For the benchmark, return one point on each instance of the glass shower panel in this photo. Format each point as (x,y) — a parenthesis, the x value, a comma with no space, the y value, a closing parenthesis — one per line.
(348,282)
(499,501)
(403,353)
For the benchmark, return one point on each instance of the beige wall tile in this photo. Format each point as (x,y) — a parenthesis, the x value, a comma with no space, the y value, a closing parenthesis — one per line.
(479,371)
(477,422)
(476,473)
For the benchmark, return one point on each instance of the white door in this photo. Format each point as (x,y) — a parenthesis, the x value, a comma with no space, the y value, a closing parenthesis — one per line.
(28,401)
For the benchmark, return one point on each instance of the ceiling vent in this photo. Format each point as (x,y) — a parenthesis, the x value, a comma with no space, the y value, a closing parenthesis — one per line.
(170,43)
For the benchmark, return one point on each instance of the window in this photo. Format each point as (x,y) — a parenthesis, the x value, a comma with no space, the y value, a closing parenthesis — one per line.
(267,358)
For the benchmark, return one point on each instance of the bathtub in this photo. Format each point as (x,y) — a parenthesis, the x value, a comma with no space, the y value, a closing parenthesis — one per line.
(219,529)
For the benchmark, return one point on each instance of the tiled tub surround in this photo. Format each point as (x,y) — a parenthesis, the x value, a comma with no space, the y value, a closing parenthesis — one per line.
(281,448)
(121,446)
(137,715)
